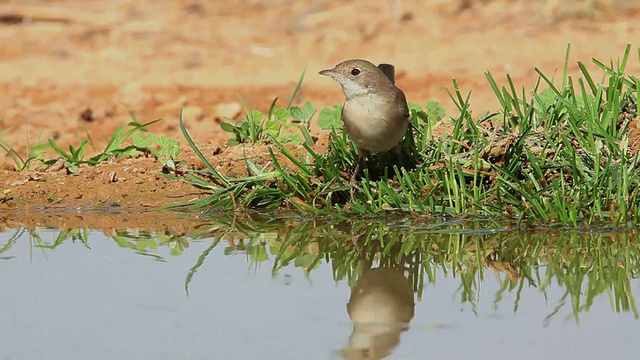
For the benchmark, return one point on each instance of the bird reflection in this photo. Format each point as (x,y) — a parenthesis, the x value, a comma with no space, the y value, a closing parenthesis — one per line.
(381,306)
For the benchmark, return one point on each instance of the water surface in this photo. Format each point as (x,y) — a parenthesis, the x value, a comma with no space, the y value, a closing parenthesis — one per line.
(364,291)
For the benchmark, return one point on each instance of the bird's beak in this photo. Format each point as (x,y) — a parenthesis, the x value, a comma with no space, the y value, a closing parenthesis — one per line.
(328,72)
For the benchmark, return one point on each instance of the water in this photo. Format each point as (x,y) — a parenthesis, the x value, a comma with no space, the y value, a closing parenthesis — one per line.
(97,297)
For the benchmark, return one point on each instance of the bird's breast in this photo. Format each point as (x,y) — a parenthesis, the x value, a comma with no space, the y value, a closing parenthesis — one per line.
(373,124)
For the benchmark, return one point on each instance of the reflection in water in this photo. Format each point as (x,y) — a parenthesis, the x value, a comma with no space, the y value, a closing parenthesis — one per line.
(382,300)
(389,264)
(380,307)
(586,264)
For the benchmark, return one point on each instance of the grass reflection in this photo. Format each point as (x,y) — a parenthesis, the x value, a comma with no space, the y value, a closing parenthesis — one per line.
(585,264)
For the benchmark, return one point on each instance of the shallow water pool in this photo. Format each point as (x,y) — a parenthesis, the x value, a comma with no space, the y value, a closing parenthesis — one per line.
(140,296)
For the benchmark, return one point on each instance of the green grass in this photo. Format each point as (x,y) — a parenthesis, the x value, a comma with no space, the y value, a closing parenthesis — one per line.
(21,163)
(127,140)
(278,123)
(556,154)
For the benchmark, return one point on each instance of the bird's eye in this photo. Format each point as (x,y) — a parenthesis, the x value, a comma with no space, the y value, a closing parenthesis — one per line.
(355,71)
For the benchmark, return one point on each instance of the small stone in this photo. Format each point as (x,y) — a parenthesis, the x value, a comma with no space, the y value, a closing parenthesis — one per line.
(132,96)
(9,167)
(87,115)
(19,182)
(199,165)
(162,97)
(110,110)
(111,177)
(171,106)
(227,110)
(57,166)
(192,113)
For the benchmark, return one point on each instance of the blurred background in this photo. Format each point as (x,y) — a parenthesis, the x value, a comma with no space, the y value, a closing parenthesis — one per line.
(68,67)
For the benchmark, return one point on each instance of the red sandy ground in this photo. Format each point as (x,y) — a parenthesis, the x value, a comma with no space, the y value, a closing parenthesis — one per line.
(60,58)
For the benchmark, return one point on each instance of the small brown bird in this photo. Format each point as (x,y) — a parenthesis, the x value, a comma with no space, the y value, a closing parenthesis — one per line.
(375,112)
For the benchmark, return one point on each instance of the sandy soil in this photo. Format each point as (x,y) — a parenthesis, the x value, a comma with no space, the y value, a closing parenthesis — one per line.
(60,58)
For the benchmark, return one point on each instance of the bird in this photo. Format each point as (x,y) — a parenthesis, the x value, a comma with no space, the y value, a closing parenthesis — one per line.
(375,112)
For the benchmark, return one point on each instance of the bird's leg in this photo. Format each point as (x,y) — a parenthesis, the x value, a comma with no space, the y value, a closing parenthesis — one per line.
(354,182)
(398,151)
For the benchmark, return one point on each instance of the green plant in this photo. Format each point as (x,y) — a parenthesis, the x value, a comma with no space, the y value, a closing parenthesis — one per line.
(276,124)
(557,154)
(162,147)
(142,141)
(4,195)
(20,162)
(115,147)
